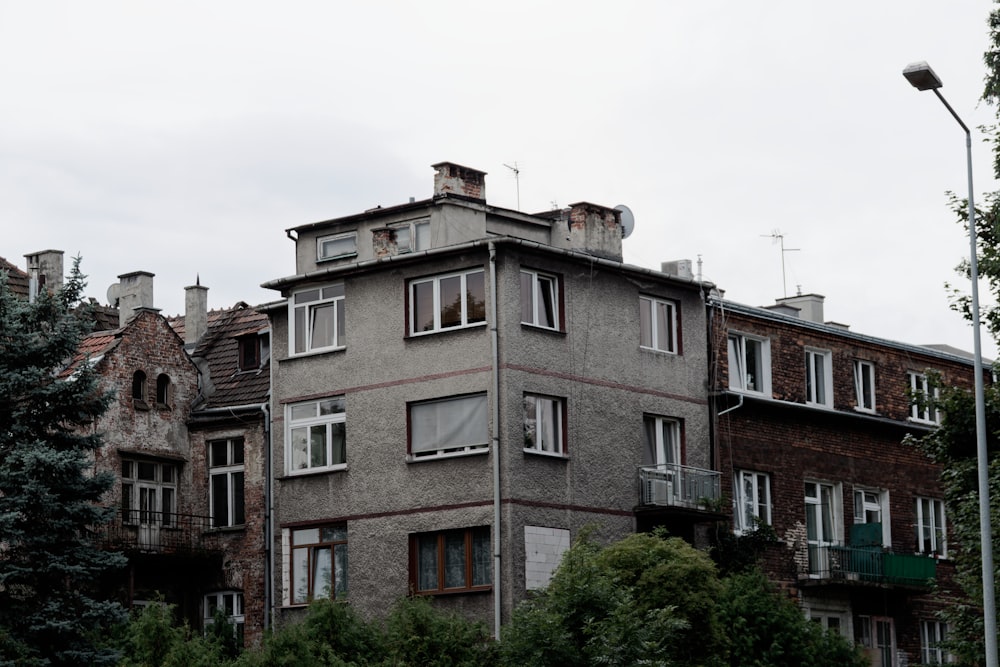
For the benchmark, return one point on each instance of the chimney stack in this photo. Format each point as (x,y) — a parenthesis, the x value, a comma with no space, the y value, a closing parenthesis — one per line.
(810,306)
(596,230)
(45,272)
(454,179)
(195,312)
(135,292)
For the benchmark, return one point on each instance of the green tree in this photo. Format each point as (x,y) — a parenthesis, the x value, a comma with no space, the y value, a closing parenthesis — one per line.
(49,500)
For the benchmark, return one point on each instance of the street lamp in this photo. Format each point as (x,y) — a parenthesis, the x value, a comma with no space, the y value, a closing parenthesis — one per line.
(923,78)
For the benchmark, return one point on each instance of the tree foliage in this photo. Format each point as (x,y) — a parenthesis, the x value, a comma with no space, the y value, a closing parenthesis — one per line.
(49,500)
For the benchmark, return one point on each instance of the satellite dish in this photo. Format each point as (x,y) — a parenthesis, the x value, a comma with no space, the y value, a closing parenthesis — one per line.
(114,292)
(628,220)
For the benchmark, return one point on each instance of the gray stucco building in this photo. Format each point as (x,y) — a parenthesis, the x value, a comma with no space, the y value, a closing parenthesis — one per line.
(458,389)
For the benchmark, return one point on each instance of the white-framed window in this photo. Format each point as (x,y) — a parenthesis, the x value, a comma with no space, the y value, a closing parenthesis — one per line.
(932,635)
(337,245)
(752,500)
(449,427)
(540,299)
(920,392)
(871,506)
(878,637)
(228,604)
(412,236)
(658,324)
(749,364)
(819,377)
(450,301)
(318,564)
(543,424)
(149,492)
(316,435)
(661,441)
(317,319)
(823,524)
(451,561)
(864,386)
(932,538)
(226,474)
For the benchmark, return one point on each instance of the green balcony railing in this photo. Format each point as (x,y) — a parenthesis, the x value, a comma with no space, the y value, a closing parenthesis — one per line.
(871,564)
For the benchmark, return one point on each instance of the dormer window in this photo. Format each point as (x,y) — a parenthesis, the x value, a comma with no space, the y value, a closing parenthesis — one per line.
(249,352)
(337,246)
(412,236)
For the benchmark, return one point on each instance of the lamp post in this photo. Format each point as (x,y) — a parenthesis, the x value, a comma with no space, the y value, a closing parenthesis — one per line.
(923,78)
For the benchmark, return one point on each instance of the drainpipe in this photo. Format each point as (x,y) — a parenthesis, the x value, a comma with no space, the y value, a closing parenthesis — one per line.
(495,439)
(268,515)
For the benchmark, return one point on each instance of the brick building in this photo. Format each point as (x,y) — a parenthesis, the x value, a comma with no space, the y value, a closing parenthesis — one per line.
(809,421)
(459,388)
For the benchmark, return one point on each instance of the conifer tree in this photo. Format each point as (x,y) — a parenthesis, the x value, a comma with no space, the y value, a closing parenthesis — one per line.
(50,509)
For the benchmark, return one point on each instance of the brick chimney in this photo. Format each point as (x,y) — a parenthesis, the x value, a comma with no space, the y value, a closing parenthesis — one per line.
(135,291)
(596,230)
(45,272)
(195,312)
(454,179)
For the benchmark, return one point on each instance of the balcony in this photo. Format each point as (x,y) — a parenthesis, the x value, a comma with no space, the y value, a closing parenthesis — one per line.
(159,533)
(674,485)
(870,565)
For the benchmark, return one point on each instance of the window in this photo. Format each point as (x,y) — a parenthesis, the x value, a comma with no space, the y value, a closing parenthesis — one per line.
(540,300)
(451,561)
(413,236)
(318,563)
(819,378)
(932,635)
(318,319)
(931,536)
(661,441)
(139,387)
(449,427)
(447,302)
(230,605)
(864,386)
(149,492)
(657,324)
(871,508)
(339,245)
(877,635)
(162,390)
(316,435)
(249,352)
(543,424)
(752,500)
(749,364)
(921,395)
(225,470)
(822,524)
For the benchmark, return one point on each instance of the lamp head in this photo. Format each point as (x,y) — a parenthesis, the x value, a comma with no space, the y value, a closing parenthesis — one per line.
(921,76)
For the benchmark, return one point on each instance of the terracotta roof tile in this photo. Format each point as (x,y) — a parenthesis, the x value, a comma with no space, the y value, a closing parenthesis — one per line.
(16,278)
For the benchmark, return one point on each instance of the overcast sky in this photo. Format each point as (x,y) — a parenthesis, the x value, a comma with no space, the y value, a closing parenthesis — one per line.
(183,138)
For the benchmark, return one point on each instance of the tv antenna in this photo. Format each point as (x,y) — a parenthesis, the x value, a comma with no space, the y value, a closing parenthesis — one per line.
(517,181)
(777,237)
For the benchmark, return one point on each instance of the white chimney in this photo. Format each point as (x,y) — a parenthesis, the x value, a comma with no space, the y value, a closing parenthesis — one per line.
(135,292)
(195,312)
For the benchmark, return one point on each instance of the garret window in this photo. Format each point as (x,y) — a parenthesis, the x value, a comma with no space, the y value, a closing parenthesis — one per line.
(336,246)
(317,319)
(412,236)
(316,436)
(540,300)
(139,390)
(451,301)
(162,390)
(657,324)
(453,561)
(449,427)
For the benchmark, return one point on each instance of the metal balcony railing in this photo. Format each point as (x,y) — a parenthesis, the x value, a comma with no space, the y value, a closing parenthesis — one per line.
(674,485)
(159,532)
(871,564)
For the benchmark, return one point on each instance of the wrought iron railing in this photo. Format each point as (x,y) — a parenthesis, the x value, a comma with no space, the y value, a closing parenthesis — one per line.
(159,532)
(674,485)
(871,564)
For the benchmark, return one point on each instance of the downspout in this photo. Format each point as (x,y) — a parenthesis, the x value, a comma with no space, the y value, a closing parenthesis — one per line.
(495,439)
(268,514)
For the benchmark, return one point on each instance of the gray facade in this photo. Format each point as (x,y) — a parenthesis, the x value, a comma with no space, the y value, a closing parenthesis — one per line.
(445,345)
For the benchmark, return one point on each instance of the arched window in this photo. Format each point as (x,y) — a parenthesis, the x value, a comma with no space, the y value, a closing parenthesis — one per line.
(162,389)
(139,386)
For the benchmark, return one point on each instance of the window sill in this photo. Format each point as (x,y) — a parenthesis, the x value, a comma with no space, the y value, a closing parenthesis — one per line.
(923,422)
(313,353)
(539,327)
(749,392)
(334,258)
(666,353)
(421,334)
(864,411)
(548,455)
(819,406)
(479,451)
(455,591)
(220,530)
(308,472)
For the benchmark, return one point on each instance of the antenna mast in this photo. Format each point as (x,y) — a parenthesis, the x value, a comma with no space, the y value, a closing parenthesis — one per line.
(517,181)
(777,237)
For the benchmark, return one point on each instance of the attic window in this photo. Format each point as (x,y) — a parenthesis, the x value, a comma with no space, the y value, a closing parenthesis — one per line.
(339,245)
(163,390)
(250,352)
(139,389)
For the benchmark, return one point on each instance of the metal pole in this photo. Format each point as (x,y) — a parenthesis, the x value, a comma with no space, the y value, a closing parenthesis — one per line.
(985,529)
